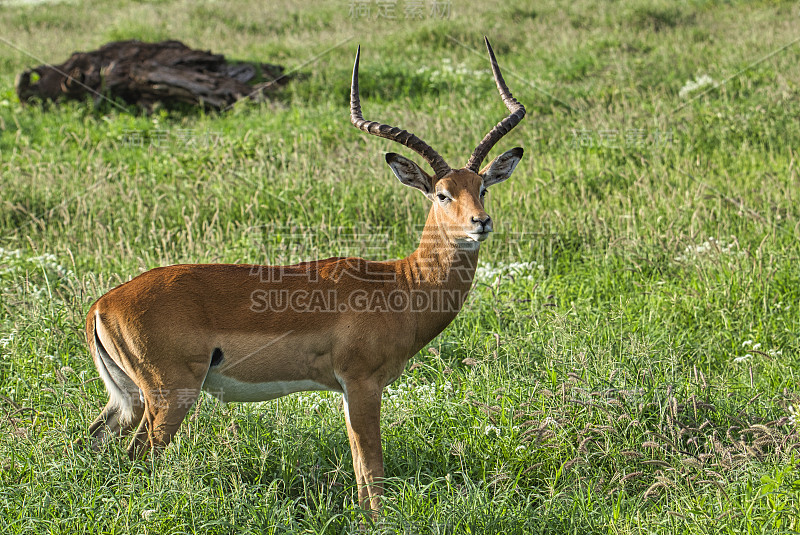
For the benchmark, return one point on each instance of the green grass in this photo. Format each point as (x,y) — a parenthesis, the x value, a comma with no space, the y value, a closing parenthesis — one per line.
(603,376)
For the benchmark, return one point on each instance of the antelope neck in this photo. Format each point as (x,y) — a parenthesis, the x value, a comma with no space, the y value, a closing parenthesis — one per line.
(439,262)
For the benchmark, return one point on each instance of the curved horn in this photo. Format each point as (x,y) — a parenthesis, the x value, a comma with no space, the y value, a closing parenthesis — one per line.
(503,127)
(403,137)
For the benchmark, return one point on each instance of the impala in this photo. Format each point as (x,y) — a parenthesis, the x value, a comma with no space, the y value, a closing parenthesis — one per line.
(253,333)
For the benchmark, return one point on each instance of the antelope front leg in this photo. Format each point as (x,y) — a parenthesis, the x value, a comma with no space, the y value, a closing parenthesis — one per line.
(362,412)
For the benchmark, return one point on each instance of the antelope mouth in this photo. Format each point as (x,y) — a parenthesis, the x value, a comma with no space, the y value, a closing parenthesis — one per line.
(479,236)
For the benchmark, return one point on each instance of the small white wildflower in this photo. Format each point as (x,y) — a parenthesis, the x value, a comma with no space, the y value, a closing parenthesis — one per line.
(147,513)
(742,359)
(491,429)
(756,346)
(491,274)
(793,414)
(693,85)
(520,448)
(747,343)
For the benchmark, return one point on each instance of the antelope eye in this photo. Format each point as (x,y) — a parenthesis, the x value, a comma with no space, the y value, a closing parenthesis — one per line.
(483,193)
(442,197)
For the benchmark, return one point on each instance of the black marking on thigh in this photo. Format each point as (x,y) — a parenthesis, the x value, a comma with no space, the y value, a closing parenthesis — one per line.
(216,357)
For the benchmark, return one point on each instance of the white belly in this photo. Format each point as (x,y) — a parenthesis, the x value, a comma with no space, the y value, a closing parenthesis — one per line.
(227,389)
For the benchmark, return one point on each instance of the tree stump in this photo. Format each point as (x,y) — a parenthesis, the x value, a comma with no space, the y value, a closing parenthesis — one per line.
(146,73)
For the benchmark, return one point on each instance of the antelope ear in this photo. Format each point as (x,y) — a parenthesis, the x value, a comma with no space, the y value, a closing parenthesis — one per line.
(410,174)
(501,167)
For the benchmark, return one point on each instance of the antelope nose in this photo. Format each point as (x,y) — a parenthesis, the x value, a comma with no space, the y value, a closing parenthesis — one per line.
(484,221)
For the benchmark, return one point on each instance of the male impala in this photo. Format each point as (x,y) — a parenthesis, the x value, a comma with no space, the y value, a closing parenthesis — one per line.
(252,333)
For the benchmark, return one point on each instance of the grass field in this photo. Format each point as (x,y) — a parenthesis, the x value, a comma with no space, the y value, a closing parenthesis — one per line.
(628,360)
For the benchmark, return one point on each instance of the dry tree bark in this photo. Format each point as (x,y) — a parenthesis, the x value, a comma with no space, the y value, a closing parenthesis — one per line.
(146,73)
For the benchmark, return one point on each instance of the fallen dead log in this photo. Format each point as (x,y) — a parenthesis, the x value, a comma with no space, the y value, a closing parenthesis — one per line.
(144,74)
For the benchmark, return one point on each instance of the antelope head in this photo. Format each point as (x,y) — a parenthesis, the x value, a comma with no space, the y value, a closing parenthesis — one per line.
(457,194)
